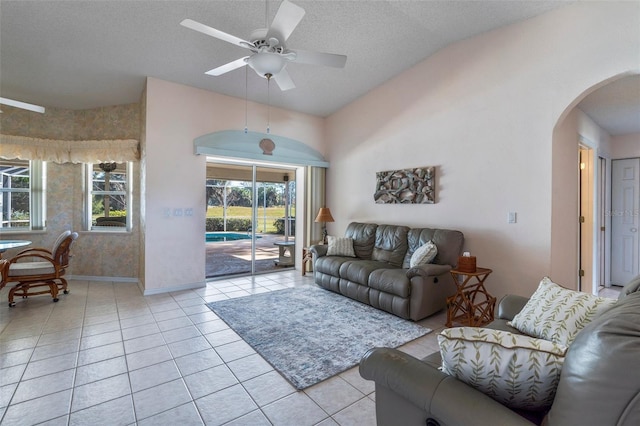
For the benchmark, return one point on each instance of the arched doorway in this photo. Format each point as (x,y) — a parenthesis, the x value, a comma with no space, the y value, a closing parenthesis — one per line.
(583,151)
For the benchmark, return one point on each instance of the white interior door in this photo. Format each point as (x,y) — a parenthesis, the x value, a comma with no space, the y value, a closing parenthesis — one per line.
(625,207)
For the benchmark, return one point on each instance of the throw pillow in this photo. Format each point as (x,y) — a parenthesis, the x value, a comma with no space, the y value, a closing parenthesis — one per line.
(339,246)
(518,371)
(556,313)
(423,254)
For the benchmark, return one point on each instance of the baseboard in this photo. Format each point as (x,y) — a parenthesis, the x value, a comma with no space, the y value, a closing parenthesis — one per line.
(190,286)
(145,292)
(96,278)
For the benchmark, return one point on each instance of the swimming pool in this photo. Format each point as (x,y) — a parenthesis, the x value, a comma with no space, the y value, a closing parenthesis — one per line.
(214,237)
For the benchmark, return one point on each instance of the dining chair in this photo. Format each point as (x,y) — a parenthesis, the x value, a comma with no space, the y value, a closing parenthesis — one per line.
(34,268)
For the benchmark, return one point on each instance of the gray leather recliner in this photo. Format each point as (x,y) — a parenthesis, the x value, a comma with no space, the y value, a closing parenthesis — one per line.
(599,383)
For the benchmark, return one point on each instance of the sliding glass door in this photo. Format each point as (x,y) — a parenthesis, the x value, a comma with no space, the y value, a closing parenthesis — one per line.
(250,221)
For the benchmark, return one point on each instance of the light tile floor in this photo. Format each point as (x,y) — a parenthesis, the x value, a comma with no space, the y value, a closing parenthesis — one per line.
(107,355)
(611,292)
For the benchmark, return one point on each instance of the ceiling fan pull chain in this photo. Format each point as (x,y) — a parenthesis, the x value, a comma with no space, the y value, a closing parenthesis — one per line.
(246,95)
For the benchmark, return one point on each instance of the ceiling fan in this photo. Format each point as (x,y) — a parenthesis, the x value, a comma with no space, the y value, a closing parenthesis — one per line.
(270,54)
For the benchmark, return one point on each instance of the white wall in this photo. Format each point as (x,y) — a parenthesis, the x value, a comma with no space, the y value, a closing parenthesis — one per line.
(592,135)
(174,178)
(483,111)
(625,146)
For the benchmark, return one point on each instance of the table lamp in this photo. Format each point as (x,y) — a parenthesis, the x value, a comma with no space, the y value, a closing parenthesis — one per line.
(324,216)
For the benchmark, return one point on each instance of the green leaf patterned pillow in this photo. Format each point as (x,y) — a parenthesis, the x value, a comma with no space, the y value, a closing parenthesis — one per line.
(518,371)
(557,314)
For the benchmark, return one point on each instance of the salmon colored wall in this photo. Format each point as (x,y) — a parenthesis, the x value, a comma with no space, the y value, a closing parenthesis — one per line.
(483,111)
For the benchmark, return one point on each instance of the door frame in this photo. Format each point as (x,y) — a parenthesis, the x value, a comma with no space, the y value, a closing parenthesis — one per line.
(591,248)
(253,166)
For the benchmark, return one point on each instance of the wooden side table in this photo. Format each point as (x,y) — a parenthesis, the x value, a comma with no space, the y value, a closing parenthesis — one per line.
(306,257)
(472,305)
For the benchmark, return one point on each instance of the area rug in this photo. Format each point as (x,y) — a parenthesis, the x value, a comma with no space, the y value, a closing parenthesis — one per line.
(309,334)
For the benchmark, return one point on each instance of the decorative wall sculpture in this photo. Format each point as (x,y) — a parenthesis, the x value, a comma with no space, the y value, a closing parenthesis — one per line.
(408,186)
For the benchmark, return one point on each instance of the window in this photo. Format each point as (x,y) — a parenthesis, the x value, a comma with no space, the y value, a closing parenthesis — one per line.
(109,196)
(22,188)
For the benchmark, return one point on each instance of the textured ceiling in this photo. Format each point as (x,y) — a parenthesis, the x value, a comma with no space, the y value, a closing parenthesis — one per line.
(86,54)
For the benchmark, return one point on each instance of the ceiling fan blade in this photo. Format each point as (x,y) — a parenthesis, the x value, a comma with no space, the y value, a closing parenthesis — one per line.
(287,19)
(22,105)
(205,29)
(222,69)
(283,79)
(319,58)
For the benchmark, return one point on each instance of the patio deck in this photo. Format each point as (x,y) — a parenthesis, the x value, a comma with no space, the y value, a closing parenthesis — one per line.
(226,258)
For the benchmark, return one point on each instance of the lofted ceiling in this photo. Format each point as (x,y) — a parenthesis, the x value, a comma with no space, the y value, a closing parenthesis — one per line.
(91,53)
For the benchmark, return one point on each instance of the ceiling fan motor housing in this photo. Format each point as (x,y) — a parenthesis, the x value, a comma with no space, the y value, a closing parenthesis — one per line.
(259,40)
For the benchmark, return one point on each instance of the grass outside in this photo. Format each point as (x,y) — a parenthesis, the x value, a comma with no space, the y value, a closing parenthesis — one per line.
(264,224)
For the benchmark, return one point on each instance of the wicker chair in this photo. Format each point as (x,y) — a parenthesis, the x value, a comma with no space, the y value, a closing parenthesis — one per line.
(34,268)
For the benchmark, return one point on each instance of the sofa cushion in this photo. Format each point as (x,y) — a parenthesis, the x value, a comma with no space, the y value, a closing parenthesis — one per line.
(358,271)
(449,243)
(391,280)
(391,244)
(518,371)
(364,238)
(424,254)
(330,264)
(340,246)
(558,314)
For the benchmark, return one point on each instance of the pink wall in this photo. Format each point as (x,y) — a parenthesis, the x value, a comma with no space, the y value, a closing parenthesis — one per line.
(483,111)
(174,178)
(625,146)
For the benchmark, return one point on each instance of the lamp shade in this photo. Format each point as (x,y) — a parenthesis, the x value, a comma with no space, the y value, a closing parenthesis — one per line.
(324,215)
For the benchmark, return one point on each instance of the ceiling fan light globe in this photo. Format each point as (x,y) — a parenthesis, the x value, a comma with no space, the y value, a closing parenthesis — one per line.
(266,63)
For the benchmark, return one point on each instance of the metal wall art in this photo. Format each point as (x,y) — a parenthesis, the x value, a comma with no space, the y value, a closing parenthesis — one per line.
(408,186)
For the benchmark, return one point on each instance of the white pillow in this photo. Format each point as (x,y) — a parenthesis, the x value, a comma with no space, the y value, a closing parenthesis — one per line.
(557,314)
(519,371)
(423,254)
(339,246)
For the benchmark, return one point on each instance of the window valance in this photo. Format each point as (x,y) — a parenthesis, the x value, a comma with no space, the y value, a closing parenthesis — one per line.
(60,151)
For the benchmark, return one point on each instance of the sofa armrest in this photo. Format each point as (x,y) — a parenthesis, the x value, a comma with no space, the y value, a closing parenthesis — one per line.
(401,373)
(440,396)
(428,270)
(510,305)
(319,250)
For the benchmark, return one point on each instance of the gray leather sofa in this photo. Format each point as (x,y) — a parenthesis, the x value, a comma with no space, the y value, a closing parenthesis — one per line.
(599,383)
(380,276)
